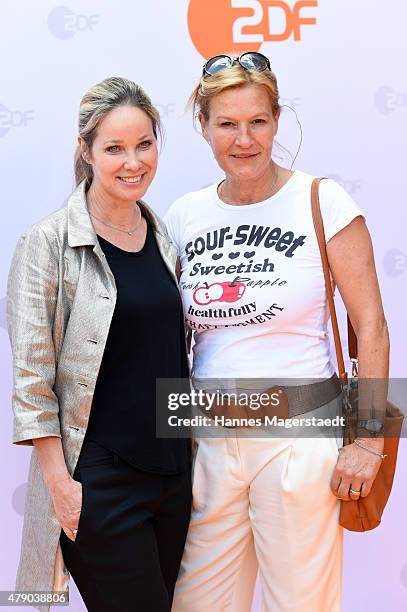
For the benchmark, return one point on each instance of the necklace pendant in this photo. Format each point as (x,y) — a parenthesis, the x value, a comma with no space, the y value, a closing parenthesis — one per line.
(130,233)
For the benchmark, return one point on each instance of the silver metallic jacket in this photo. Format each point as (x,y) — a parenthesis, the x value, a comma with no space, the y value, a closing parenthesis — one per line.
(61,298)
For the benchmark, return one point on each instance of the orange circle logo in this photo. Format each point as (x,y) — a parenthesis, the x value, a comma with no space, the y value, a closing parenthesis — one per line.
(235,26)
(213,26)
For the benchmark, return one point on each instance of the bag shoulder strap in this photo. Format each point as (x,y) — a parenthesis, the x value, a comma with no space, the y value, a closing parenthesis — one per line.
(320,233)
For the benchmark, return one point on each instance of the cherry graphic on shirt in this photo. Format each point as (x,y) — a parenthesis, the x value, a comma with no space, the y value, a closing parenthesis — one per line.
(219,292)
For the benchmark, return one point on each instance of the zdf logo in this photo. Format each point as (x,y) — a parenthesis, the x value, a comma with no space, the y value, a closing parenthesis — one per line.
(11,119)
(219,26)
(387,100)
(64,23)
(350,185)
(395,262)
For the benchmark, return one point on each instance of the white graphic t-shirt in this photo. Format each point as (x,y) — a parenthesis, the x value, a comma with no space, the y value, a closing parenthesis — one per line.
(252,281)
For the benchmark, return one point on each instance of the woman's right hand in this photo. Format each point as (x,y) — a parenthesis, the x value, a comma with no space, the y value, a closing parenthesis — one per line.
(67,499)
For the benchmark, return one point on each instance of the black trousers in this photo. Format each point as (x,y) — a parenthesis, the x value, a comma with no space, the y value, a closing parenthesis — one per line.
(131,534)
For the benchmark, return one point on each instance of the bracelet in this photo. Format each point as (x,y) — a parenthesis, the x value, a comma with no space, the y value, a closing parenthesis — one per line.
(369,450)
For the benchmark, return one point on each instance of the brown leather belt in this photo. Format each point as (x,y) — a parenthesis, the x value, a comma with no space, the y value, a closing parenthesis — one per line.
(279,401)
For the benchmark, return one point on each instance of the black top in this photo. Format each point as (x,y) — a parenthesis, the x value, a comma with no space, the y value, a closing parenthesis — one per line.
(145,342)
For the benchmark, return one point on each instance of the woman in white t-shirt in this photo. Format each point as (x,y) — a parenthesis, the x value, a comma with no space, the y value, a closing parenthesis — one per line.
(254,297)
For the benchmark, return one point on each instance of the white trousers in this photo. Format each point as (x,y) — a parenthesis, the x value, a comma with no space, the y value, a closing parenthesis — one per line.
(262,503)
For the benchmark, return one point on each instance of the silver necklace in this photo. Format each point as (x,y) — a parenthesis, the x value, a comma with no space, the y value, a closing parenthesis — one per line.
(129,232)
(220,188)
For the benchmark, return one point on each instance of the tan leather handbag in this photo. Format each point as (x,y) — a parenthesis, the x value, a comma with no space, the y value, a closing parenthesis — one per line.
(366,512)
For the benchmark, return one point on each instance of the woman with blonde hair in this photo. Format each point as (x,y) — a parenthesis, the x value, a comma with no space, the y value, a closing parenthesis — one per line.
(95,317)
(254,296)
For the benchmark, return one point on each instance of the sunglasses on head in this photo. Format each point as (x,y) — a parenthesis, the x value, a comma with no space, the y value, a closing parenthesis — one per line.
(248,60)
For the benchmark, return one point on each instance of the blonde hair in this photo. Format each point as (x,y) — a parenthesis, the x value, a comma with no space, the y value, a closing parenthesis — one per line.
(97,102)
(210,86)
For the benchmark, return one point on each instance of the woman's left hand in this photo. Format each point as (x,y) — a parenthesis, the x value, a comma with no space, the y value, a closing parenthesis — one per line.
(356,469)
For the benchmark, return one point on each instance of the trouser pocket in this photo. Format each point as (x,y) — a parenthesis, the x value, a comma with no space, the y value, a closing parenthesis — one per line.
(92,457)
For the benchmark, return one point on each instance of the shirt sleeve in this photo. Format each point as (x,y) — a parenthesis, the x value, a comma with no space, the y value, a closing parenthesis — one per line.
(31,301)
(171,220)
(338,209)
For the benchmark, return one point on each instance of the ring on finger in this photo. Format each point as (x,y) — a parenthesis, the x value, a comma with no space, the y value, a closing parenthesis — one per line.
(355,492)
